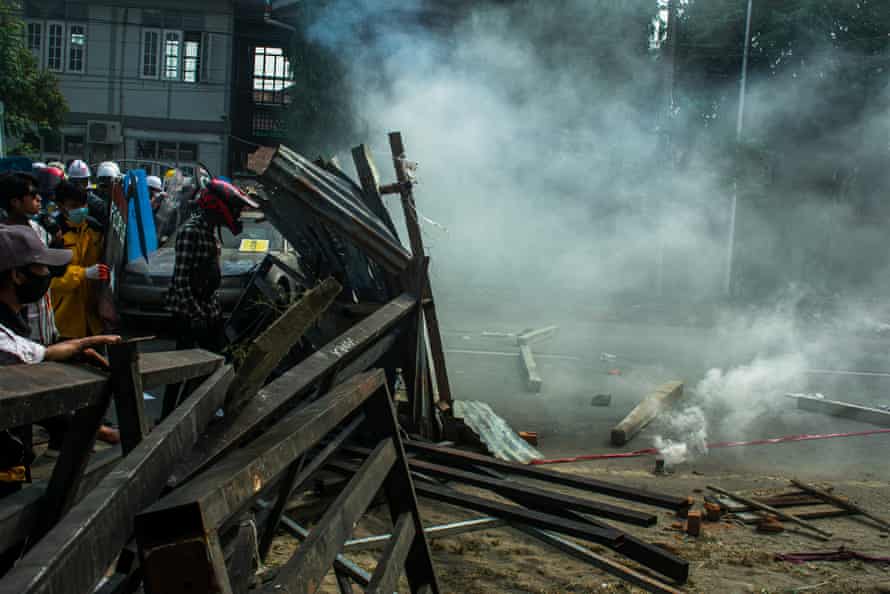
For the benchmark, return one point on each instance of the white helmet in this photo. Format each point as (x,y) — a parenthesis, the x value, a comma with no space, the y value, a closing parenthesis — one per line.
(108,169)
(37,166)
(155,183)
(78,170)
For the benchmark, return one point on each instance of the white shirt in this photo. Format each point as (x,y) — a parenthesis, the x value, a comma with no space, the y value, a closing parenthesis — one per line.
(15,350)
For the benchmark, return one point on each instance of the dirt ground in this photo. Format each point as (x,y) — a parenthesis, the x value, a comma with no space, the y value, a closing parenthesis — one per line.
(727,558)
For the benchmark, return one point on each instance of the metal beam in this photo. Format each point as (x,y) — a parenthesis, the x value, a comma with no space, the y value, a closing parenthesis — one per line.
(389,568)
(441,531)
(76,553)
(305,570)
(296,383)
(30,393)
(453,456)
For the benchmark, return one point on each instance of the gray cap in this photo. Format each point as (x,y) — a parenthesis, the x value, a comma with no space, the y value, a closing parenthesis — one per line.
(20,246)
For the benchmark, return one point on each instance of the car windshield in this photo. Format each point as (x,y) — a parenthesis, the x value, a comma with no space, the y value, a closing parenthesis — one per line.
(253,230)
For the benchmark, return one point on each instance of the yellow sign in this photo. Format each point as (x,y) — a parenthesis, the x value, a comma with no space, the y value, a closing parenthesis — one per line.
(254,245)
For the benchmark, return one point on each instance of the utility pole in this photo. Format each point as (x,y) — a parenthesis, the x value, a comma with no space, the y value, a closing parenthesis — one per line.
(740,121)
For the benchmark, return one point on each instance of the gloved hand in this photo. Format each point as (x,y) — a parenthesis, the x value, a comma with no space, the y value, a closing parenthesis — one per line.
(99,272)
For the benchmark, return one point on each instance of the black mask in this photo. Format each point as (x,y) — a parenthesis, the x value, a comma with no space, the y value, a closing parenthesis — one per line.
(34,288)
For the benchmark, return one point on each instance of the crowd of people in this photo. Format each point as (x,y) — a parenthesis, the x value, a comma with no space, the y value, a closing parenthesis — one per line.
(53,277)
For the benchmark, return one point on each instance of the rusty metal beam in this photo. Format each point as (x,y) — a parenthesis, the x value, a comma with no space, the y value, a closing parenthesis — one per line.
(75,554)
(293,385)
(305,570)
(464,459)
(389,567)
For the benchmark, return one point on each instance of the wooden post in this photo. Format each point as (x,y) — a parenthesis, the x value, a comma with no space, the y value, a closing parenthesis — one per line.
(646,411)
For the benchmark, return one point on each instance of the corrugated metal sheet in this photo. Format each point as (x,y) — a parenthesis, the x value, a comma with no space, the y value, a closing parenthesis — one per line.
(502,442)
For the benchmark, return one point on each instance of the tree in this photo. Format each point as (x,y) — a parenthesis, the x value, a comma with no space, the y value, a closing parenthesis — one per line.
(31,95)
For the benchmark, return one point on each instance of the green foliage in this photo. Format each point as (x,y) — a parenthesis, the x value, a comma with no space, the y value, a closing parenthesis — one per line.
(31,95)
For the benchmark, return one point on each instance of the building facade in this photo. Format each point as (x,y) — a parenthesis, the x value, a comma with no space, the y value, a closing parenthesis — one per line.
(147,83)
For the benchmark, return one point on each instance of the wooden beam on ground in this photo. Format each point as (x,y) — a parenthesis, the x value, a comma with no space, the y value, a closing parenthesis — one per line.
(533,379)
(646,411)
(269,348)
(469,460)
(303,573)
(531,336)
(296,383)
(822,534)
(836,408)
(840,502)
(31,393)
(76,553)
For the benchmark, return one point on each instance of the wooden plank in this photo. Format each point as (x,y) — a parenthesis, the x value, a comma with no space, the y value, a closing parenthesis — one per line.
(619,570)
(533,379)
(234,482)
(840,502)
(788,517)
(385,579)
(464,459)
(126,387)
(836,408)
(302,574)
(646,411)
(75,554)
(296,383)
(30,393)
(269,348)
(240,565)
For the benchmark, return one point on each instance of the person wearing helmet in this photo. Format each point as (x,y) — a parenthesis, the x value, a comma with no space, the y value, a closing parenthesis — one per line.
(196,274)
(75,297)
(156,192)
(106,175)
(79,174)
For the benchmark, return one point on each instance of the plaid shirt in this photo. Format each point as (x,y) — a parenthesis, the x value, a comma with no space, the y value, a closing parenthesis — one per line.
(196,275)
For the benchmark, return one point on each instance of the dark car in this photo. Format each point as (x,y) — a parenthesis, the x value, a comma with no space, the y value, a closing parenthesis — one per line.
(143,286)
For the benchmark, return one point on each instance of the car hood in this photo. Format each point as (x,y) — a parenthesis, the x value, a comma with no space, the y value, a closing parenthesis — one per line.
(161,263)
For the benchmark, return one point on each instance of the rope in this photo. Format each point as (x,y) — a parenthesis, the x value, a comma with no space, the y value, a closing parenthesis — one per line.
(712,446)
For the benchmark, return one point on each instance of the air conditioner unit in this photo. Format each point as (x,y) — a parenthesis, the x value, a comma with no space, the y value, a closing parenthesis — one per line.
(104,132)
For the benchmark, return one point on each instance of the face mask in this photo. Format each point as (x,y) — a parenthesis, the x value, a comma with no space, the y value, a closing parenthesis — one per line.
(78,215)
(34,288)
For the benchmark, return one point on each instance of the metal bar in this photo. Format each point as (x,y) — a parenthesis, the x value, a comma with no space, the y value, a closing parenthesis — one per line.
(836,408)
(301,477)
(441,531)
(69,469)
(270,347)
(842,503)
(400,495)
(126,386)
(464,459)
(298,382)
(820,533)
(547,498)
(640,580)
(304,571)
(30,393)
(232,484)
(75,554)
(389,568)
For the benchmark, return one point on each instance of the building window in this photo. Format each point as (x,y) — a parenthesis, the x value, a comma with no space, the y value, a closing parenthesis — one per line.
(74,147)
(272,76)
(151,41)
(34,38)
(172,54)
(266,124)
(77,44)
(168,153)
(55,44)
(191,57)
(146,149)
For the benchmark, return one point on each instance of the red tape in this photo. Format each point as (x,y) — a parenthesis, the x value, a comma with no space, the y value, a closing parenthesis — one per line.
(711,446)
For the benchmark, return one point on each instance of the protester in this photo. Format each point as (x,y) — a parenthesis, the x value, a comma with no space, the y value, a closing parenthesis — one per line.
(75,295)
(106,175)
(196,276)
(156,192)
(24,279)
(48,179)
(79,174)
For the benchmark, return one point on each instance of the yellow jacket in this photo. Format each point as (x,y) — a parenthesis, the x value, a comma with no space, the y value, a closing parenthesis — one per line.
(75,296)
